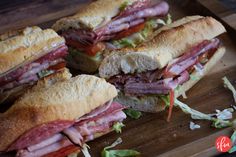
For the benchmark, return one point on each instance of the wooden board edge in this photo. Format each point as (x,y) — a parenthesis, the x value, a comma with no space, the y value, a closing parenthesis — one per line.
(206,144)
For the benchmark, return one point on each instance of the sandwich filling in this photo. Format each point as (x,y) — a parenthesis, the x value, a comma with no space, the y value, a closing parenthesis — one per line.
(62,137)
(129,28)
(163,81)
(31,72)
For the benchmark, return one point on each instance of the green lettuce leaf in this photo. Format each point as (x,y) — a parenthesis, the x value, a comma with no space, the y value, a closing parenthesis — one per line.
(233,140)
(44,73)
(118,126)
(169,19)
(133,113)
(124,5)
(228,85)
(125,42)
(118,153)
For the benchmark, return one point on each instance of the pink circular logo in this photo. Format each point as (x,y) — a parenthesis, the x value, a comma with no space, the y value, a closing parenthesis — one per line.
(223,144)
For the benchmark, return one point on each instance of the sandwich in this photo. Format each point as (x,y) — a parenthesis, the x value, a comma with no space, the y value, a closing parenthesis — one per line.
(57,116)
(151,76)
(26,56)
(108,24)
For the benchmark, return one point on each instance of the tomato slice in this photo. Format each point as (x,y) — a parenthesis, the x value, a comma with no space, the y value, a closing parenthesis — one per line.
(57,66)
(172,98)
(63,152)
(90,50)
(130,31)
(93,50)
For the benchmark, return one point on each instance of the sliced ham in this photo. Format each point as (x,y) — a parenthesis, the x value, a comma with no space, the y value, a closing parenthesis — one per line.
(136,6)
(179,67)
(159,9)
(114,107)
(131,16)
(47,142)
(160,87)
(70,134)
(96,112)
(191,57)
(27,73)
(45,150)
(40,133)
(74,135)
(166,79)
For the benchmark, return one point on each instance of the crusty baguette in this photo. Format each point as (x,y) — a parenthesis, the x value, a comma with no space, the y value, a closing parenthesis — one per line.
(155,104)
(14,33)
(8,97)
(170,42)
(48,81)
(92,15)
(26,45)
(64,100)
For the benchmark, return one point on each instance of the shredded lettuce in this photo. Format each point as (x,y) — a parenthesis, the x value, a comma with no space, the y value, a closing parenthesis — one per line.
(118,126)
(194,126)
(125,42)
(169,19)
(216,122)
(180,90)
(233,140)
(165,99)
(228,85)
(44,73)
(85,150)
(137,38)
(124,5)
(194,78)
(120,152)
(117,142)
(133,113)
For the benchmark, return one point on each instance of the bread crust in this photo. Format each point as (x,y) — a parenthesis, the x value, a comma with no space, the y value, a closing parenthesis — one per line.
(8,97)
(170,42)
(26,45)
(157,105)
(64,100)
(92,16)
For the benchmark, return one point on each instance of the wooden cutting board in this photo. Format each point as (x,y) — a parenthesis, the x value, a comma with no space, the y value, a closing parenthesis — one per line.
(151,134)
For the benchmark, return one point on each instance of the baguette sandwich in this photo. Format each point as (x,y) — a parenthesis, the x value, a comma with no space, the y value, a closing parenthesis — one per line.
(108,24)
(26,56)
(57,116)
(180,54)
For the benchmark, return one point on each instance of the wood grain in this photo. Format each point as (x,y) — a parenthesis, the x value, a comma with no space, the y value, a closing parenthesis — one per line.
(214,8)
(39,12)
(151,134)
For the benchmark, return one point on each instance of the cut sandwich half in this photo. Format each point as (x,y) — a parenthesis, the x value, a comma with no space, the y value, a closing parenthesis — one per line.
(180,54)
(108,24)
(26,56)
(57,116)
